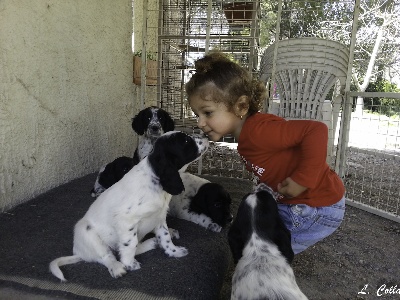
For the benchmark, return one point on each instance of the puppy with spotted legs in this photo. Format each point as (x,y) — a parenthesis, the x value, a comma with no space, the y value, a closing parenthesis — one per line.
(124,214)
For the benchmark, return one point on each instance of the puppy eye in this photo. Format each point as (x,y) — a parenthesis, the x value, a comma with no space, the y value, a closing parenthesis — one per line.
(217,204)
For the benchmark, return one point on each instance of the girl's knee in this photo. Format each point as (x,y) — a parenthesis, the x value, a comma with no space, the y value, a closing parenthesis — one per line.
(309,225)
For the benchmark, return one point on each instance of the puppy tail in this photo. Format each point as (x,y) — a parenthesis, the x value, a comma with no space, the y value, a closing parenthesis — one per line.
(61,261)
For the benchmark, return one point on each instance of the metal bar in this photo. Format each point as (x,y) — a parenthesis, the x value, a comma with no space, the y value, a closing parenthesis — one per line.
(374,94)
(208,28)
(202,37)
(144,56)
(185,27)
(278,30)
(354,30)
(340,163)
(253,58)
(373,210)
(159,54)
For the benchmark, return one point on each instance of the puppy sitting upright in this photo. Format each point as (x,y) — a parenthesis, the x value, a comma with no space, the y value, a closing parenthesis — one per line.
(134,206)
(150,123)
(261,247)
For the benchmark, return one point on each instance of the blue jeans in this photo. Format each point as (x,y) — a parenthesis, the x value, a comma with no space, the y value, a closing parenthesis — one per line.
(309,225)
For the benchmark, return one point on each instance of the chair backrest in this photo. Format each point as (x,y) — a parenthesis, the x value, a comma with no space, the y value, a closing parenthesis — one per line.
(305,70)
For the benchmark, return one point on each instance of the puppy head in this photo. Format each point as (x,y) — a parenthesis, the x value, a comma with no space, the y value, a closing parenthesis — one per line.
(258,212)
(152,122)
(213,201)
(171,152)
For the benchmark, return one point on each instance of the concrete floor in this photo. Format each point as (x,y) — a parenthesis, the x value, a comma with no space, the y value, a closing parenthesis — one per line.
(12,294)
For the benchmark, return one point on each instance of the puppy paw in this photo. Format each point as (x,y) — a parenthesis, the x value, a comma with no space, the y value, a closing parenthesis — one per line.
(214,227)
(176,251)
(134,265)
(174,233)
(117,270)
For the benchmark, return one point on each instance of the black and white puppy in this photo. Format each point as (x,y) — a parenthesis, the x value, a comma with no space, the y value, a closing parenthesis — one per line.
(150,123)
(133,207)
(203,202)
(261,247)
(111,173)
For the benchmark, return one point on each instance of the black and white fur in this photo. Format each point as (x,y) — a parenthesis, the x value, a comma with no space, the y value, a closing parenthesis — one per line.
(203,202)
(150,123)
(261,247)
(111,173)
(134,206)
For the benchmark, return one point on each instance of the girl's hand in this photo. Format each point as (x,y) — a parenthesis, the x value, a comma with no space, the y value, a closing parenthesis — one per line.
(289,188)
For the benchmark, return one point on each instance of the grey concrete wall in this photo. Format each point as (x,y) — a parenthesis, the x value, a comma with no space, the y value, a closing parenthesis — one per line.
(66,92)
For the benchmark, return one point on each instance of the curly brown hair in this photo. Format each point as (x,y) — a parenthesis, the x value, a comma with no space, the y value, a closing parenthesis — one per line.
(230,78)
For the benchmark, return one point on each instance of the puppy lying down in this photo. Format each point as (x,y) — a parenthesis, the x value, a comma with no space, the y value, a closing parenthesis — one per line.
(134,206)
(111,173)
(202,202)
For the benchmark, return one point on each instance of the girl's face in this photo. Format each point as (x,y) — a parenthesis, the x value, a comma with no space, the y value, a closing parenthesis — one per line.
(214,118)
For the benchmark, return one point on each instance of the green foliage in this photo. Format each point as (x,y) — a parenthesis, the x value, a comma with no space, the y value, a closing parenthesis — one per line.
(384,106)
(304,19)
(267,23)
(150,55)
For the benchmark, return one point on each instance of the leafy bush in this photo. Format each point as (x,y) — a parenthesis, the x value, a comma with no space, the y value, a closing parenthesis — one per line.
(386,106)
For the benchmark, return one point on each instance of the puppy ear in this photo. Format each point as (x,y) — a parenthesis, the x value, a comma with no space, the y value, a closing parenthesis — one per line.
(284,241)
(168,124)
(166,171)
(138,123)
(270,224)
(171,181)
(240,231)
(236,242)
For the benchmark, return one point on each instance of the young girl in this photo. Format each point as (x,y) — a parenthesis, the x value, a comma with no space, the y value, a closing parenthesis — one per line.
(289,156)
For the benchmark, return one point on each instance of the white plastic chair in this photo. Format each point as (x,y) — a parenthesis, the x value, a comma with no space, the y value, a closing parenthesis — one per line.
(304,71)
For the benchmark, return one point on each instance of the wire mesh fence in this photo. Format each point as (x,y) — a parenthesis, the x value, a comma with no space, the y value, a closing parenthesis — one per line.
(372,165)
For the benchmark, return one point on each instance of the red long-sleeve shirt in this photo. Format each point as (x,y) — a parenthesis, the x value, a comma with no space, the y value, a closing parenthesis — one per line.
(274,149)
